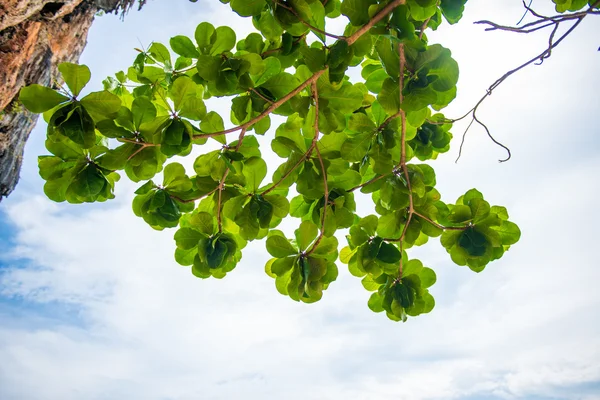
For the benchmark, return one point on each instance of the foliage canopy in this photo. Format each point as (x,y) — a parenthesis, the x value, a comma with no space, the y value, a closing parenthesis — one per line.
(338,138)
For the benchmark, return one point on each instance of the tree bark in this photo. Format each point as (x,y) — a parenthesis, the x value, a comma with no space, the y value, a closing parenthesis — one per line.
(36,36)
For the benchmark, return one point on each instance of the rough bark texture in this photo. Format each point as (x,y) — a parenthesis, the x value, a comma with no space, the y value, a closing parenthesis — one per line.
(35,36)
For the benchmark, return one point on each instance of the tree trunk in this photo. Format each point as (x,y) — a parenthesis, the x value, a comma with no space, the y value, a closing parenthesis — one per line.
(36,36)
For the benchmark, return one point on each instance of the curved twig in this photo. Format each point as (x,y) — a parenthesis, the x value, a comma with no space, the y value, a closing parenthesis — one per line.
(542,22)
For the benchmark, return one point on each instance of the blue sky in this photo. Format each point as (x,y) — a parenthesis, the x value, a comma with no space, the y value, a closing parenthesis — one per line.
(93,306)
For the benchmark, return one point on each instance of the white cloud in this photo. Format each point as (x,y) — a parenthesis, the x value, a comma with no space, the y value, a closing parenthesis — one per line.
(146,328)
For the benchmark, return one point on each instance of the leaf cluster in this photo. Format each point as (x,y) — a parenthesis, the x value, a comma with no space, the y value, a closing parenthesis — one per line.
(338,139)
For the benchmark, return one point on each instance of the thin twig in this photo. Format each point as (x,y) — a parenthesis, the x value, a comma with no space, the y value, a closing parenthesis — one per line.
(543,22)
(179,199)
(378,17)
(260,95)
(269,110)
(305,23)
(390,119)
(372,180)
(424,26)
(284,176)
(527,8)
(445,228)
(315,94)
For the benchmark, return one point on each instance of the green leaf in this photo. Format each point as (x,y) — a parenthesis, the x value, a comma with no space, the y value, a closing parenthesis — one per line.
(305,234)
(388,253)
(75,123)
(187,238)
(209,67)
(345,100)
(203,222)
(184,46)
(509,233)
(355,147)
(280,247)
(75,76)
(389,226)
(183,88)
(117,158)
(255,170)
(225,40)
(453,10)
(389,96)
(248,8)
(268,26)
(143,111)
(282,84)
(272,68)
(101,105)
(357,11)
(88,183)
(160,53)
(281,205)
(212,123)
(203,35)
(173,172)
(39,99)
(281,266)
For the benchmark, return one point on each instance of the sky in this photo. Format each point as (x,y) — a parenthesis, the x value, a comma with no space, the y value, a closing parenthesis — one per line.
(93,305)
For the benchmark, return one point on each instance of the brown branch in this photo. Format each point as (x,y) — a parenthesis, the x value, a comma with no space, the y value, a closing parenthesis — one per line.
(390,119)
(402,165)
(284,176)
(543,22)
(424,26)
(378,17)
(315,94)
(269,110)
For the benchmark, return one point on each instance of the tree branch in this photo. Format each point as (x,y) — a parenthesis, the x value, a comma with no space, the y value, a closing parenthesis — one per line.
(542,22)
(314,146)
(411,209)
(269,110)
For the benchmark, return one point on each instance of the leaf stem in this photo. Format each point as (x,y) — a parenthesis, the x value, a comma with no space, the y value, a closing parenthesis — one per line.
(372,180)
(445,228)
(179,199)
(221,186)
